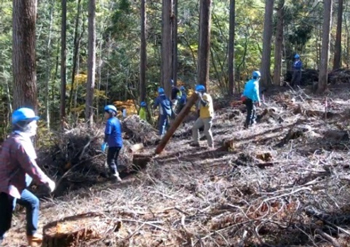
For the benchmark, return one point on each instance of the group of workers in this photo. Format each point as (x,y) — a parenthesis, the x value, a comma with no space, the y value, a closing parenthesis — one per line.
(18,165)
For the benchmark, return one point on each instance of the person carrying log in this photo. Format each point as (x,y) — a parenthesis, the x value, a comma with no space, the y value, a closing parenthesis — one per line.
(251,98)
(296,76)
(165,110)
(206,115)
(113,139)
(18,168)
(143,111)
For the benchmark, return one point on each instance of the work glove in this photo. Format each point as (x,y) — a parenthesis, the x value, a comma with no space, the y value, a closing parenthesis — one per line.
(104,146)
(52,185)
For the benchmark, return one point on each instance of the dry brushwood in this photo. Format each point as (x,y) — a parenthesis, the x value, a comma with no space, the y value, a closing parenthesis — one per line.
(138,130)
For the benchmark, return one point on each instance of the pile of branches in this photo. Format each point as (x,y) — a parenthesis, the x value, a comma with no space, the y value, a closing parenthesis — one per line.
(137,130)
(76,158)
(310,76)
(339,76)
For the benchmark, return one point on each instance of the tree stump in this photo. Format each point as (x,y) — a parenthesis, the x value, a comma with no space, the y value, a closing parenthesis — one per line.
(79,230)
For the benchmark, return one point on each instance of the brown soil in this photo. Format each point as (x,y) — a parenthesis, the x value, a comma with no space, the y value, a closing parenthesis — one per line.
(283,182)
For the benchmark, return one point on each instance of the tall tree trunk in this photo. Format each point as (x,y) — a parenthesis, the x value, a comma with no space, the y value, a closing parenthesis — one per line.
(48,70)
(143,54)
(174,32)
(90,86)
(278,44)
(63,61)
(166,46)
(231,50)
(23,56)
(327,20)
(76,48)
(204,43)
(337,54)
(266,54)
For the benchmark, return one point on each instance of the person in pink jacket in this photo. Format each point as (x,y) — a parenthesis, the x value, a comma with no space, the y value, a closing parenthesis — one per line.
(18,168)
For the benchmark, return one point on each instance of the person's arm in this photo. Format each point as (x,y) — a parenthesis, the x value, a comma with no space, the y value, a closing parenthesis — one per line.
(108,130)
(30,166)
(204,100)
(256,96)
(156,103)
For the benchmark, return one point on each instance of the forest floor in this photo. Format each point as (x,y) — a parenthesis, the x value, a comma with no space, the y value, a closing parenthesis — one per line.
(283,182)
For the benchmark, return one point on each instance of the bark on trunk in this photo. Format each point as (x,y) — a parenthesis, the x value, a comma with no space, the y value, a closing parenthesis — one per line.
(90,86)
(278,44)
(327,20)
(143,54)
(166,72)
(231,50)
(23,56)
(204,43)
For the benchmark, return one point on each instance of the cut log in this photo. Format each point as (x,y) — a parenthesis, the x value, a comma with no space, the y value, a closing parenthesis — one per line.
(74,231)
(178,120)
(136,147)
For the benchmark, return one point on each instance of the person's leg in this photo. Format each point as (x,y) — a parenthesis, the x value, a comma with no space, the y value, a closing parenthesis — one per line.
(294,75)
(195,130)
(253,115)
(111,159)
(31,203)
(207,131)
(114,161)
(249,104)
(6,208)
(162,124)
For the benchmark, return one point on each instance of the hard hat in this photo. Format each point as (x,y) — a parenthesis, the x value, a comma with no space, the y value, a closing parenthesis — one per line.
(160,90)
(296,56)
(110,108)
(256,74)
(182,88)
(23,114)
(143,104)
(200,88)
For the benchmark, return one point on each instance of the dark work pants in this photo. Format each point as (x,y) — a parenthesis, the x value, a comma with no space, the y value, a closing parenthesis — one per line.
(163,123)
(7,203)
(296,78)
(251,113)
(112,158)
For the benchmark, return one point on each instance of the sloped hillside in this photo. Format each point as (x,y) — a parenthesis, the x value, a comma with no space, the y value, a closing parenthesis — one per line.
(283,182)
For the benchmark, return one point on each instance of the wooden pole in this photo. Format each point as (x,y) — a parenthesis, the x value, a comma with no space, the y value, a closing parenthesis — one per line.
(184,112)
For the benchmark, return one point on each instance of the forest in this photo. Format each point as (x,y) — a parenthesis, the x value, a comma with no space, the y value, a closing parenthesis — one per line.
(285,182)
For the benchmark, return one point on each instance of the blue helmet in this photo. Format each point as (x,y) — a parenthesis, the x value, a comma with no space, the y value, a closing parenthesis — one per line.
(109,108)
(296,56)
(23,114)
(160,90)
(200,88)
(143,104)
(256,74)
(182,88)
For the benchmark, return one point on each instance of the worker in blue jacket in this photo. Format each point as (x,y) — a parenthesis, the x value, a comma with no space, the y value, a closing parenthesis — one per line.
(296,76)
(165,110)
(251,98)
(113,139)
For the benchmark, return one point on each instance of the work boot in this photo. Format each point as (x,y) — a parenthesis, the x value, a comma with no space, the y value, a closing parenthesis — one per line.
(35,240)
(116,175)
